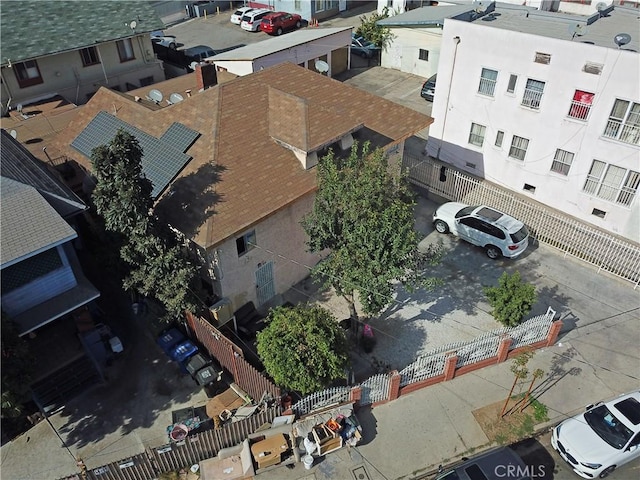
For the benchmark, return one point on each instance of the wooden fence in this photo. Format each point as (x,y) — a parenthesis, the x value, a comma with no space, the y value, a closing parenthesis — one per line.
(230,357)
(173,456)
(585,242)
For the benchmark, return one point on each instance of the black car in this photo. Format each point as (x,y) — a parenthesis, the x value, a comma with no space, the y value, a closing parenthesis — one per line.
(429,89)
(498,464)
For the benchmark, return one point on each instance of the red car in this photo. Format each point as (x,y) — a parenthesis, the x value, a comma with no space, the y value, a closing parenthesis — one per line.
(278,22)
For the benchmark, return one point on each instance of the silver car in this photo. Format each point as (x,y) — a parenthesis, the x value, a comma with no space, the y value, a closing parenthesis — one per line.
(498,233)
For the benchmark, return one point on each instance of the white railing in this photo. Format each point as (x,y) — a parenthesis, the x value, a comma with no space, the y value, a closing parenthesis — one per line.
(579,110)
(375,389)
(532,98)
(624,132)
(324,398)
(487,86)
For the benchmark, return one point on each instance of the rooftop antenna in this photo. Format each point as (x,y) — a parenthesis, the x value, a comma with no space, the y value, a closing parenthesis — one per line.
(577,30)
(175,98)
(601,7)
(155,96)
(622,39)
(322,66)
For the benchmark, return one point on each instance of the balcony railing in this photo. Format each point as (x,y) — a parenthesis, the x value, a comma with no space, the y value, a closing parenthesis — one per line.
(487,87)
(531,98)
(621,131)
(579,110)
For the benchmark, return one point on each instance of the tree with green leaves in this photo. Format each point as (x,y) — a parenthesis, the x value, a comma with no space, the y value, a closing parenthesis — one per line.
(363,214)
(303,348)
(159,265)
(17,367)
(511,299)
(370,30)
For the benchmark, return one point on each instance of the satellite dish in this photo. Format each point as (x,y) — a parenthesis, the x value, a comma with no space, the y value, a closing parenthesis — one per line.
(322,66)
(175,98)
(622,39)
(577,30)
(155,95)
(601,6)
(133,24)
(13,133)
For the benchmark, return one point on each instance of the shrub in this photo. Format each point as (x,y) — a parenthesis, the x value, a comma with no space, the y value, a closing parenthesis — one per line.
(511,300)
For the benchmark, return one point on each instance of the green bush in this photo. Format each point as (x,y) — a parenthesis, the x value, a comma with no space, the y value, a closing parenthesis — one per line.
(511,300)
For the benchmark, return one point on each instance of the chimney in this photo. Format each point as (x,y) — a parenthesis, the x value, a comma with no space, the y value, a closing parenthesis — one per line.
(206,75)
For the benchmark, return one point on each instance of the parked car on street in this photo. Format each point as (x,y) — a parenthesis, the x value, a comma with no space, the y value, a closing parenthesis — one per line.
(158,37)
(251,20)
(497,464)
(498,233)
(604,437)
(236,17)
(429,88)
(362,47)
(279,22)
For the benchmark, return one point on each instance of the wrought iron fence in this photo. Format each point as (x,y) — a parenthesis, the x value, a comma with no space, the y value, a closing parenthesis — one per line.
(375,389)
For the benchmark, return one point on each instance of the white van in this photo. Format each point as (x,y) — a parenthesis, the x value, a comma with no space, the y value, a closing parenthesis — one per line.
(251,20)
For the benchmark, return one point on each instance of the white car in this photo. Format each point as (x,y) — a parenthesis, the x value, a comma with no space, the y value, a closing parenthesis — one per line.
(498,233)
(251,21)
(604,437)
(160,38)
(236,17)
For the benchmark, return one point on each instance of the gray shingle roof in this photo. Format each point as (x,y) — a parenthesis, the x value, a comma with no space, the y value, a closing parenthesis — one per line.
(29,224)
(31,29)
(431,15)
(17,163)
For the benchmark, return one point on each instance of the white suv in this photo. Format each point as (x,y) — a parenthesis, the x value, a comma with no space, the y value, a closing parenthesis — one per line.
(496,232)
(604,437)
(251,20)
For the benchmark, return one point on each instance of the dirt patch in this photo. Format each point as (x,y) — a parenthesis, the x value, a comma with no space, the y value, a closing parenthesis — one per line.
(514,425)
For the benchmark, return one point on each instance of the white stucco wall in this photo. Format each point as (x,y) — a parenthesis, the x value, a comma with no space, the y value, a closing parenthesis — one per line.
(457,105)
(64,74)
(280,234)
(403,51)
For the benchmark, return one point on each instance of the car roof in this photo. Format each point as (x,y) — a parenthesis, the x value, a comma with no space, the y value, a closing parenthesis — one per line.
(496,217)
(488,461)
(257,11)
(627,409)
(243,10)
(197,49)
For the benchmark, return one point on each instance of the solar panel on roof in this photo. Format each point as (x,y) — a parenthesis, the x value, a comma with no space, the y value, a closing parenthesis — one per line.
(162,158)
(180,136)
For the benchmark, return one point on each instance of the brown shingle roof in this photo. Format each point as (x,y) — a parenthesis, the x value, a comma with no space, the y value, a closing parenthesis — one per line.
(239,175)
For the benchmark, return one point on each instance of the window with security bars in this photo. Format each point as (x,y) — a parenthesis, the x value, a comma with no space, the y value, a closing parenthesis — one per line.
(27,73)
(533,94)
(125,50)
(544,58)
(488,79)
(89,56)
(562,162)
(612,183)
(518,147)
(423,55)
(624,122)
(476,135)
(581,105)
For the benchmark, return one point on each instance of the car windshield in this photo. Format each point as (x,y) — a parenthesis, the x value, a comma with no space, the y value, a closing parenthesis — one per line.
(465,211)
(520,235)
(608,427)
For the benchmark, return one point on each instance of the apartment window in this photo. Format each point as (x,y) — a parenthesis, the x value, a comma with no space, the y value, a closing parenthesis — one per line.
(322,5)
(581,105)
(533,94)
(296,5)
(246,242)
(624,122)
(511,87)
(544,58)
(476,135)
(612,183)
(562,162)
(488,82)
(89,56)
(423,55)
(27,73)
(598,213)
(529,188)
(518,147)
(125,50)
(499,138)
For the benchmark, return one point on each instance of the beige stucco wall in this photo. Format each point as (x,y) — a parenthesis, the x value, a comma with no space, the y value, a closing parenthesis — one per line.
(64,74)
(280,234)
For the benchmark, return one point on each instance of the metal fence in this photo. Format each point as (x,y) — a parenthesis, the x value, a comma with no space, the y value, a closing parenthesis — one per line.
(585,242)
(324,398)
(375,389)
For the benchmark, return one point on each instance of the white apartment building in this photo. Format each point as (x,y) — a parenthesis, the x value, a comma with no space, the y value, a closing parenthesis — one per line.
(548,106)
